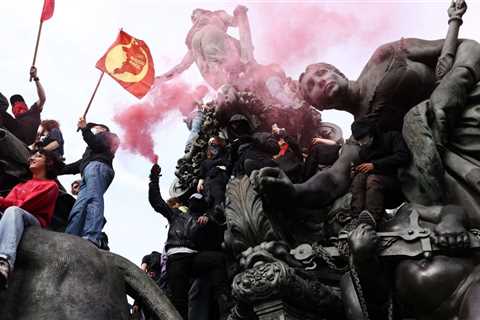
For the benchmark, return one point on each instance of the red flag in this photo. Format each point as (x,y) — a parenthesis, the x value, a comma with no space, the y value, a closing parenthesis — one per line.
(47,12)
(129,62)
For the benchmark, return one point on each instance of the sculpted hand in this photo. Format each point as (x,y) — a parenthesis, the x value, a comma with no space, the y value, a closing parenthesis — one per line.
(365,167)
(275,185)
(239,10)
(363,242)
(457,8)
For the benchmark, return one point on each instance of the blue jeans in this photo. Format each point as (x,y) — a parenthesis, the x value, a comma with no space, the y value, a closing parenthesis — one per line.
(197,122)
(86,218)
(13,223)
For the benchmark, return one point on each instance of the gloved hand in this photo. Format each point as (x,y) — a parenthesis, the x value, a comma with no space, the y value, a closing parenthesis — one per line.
(155,172)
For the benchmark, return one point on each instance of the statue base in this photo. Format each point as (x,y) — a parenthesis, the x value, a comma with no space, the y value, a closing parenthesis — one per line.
(279,310)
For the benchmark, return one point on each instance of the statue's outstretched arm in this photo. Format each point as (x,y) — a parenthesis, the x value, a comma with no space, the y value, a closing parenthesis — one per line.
(186,62)
(329,184)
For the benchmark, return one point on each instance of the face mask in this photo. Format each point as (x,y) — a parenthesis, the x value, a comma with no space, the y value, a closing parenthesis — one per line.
(19,108)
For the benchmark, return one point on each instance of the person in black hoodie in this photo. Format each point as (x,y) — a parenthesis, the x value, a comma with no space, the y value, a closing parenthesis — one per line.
(213,177)
(375,174)
(250,150)
(86,218)
(184,260)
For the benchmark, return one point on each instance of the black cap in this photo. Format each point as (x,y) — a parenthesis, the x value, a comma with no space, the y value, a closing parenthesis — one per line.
(362,128)
(92,124)
(16,98)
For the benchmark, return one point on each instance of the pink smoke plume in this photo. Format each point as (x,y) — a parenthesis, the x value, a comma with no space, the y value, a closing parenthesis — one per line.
(139,120)
(298,33)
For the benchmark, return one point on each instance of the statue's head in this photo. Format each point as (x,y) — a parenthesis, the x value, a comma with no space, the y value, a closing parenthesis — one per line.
(198,13)
(322,85)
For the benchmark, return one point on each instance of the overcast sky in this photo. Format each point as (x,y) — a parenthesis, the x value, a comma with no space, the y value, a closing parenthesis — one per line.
(80,32)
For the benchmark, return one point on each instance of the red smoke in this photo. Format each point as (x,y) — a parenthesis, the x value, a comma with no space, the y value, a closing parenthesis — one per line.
(139,120)
(299,33)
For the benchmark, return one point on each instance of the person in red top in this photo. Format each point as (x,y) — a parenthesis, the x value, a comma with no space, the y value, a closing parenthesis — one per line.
(30,203)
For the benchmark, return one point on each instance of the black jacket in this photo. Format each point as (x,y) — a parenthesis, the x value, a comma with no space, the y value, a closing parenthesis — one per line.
(388,152)
(100,147)
(25,126)
(258,148)
(182,225)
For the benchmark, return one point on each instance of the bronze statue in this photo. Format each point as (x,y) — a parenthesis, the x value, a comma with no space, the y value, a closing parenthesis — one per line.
(58,276)
(398,76)
(442,285)
(219,57)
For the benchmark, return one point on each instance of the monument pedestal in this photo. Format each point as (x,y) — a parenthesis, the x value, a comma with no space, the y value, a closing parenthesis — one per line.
(279,310)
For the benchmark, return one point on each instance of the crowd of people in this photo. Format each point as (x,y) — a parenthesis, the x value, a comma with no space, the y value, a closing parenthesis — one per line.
(193,266)
(32,158)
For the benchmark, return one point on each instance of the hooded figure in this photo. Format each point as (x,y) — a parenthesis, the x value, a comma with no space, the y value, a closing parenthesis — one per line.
(250,150)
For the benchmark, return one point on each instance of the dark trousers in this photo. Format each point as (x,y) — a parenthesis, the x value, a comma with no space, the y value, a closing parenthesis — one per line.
(181,268)
(368,193)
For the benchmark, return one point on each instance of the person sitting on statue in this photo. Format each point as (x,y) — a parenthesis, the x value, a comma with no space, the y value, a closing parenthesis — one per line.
(30,203)
(398,76)
(375,172)
(213,177)
(50,137)
(14,154)
(184,260)
(289,158)
(250,150)
(25,123)
(323,152)
(86,218)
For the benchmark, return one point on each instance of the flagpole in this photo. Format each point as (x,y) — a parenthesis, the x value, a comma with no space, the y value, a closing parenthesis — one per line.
(36,45)
(93,94)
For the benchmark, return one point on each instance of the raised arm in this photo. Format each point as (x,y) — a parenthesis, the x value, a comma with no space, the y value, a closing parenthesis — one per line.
(246,45)
(186,62)
(154,195)
(445,62)
(40,91)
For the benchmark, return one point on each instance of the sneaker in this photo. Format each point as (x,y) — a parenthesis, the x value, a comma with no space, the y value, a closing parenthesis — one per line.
(367,218)
(4,273)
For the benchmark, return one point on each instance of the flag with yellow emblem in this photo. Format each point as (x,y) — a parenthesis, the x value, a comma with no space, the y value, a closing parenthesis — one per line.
(129,62)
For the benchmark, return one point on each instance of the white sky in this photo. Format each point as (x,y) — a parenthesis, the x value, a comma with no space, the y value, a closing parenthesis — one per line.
(80,32)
